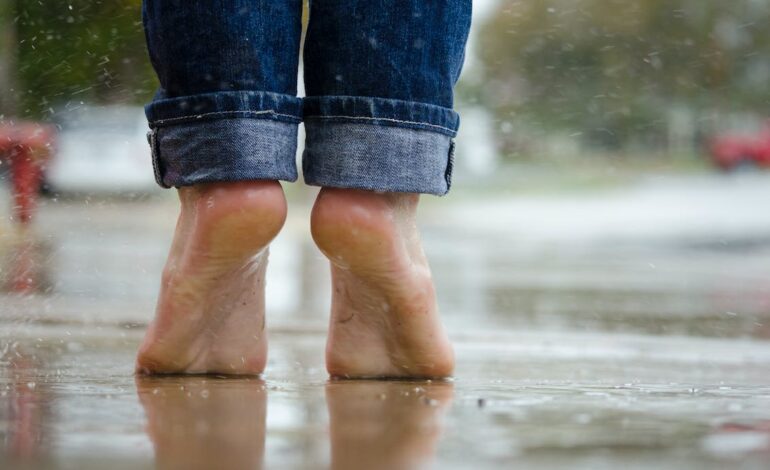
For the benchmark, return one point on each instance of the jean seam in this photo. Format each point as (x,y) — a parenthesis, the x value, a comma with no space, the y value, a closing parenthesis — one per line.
(152,138)
(399,121)
(450,165)
(270,112)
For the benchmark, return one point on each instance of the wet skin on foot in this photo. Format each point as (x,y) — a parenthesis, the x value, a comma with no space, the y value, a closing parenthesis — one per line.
(210,316)
(384,317)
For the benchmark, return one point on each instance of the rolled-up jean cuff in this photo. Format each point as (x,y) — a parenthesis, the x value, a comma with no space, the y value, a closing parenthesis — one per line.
(377,157)
(223,136)
(230,149)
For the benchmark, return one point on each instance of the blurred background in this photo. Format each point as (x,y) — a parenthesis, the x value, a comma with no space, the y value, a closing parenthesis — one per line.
(609,210)
(609,151)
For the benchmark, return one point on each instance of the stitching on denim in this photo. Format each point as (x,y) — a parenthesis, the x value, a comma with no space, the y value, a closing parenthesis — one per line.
(225,113)
(382,119)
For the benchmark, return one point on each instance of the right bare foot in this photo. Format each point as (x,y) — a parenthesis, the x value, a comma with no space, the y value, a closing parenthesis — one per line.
(210,316)
(384,319)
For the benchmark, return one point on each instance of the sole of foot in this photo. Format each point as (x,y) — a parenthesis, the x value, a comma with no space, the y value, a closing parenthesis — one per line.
(384,317)
(210,316)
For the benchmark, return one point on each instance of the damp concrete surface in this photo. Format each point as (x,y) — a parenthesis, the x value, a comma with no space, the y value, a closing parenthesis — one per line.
(623,327)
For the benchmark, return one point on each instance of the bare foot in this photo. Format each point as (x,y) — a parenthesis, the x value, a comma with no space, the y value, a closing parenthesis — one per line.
(384,319)
(210,315)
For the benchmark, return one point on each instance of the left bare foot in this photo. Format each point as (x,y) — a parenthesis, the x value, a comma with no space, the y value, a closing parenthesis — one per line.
(211,311)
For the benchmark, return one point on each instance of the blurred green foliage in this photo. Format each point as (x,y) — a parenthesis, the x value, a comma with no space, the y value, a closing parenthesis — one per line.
(7,58)
(72,51)
(611,70)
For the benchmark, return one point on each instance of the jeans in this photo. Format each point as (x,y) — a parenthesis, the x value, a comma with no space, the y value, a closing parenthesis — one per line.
(378,74)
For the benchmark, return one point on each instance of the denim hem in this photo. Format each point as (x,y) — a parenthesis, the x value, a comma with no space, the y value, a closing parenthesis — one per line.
(224,150)
(377,157)
(224,104)
(381,111)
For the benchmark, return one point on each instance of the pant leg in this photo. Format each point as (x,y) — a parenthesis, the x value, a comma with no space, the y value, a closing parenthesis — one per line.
(226,109)
(379,77)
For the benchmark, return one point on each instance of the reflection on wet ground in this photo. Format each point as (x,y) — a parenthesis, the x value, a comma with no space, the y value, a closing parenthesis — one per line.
(203,422)
(630,352)
(536,400)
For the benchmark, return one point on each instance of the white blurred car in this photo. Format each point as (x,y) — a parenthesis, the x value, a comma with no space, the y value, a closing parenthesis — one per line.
(102,150)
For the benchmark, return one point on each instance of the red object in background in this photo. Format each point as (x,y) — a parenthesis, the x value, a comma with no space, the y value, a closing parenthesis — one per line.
(733,150)
(26,146)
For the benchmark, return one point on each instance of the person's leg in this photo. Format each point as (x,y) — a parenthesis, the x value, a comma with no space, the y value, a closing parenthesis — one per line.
(224,131)
(379,76)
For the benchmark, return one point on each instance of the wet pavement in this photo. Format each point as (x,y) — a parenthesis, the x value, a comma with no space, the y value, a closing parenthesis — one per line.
(588,336)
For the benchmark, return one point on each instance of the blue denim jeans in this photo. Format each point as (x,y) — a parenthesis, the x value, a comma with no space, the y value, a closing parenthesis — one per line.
(379,77)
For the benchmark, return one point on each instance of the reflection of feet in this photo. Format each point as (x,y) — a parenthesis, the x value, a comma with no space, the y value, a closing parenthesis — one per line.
(210,315)
(26,411)
(384,320)
(378,424)
(195,422)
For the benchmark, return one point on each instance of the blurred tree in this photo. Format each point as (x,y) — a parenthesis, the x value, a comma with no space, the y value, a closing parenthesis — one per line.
(77,51)
(612,70)
(7,59)
(73,51)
